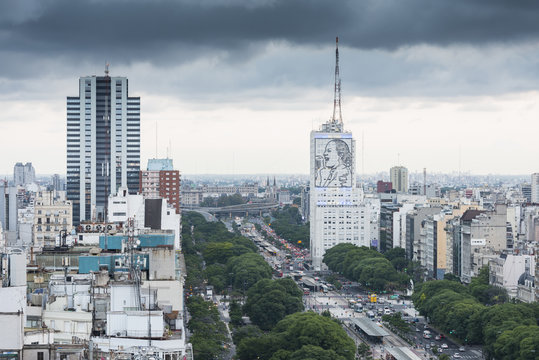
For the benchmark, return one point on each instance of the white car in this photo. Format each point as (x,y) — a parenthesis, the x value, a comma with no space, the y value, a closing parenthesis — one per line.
(444,346)
(457,356)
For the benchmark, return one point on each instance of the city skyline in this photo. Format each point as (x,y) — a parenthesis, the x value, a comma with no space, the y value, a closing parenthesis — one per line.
(244,102)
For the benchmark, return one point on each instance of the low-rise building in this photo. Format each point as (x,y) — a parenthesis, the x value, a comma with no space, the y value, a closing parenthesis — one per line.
(51,217)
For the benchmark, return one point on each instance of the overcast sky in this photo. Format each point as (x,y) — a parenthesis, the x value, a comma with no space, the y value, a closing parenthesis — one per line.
(235,86)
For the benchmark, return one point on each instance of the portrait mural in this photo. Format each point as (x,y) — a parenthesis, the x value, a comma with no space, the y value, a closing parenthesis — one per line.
(333,162)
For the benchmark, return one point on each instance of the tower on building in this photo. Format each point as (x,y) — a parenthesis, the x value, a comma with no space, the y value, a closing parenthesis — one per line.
(334,197)
(103,144)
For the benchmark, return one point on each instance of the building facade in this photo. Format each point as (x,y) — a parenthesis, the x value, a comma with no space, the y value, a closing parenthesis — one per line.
(103,144)
(535,188)
(399,178)
(335,198)
(9,208)
(51,217)
(160,180)
(23,174)
(384,186)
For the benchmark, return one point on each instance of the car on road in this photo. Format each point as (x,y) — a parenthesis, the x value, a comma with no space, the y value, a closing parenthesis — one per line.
(444,346)
(437,337)
(457,356)
(462,348)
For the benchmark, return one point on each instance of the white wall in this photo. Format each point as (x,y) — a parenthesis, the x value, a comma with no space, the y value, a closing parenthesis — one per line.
(12,317)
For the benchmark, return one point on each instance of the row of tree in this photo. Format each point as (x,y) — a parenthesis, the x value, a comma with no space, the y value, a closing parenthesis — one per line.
(280,330)
(506,330)
(366,266)
(288,224)
(216,256)
(209,334)
(302,335)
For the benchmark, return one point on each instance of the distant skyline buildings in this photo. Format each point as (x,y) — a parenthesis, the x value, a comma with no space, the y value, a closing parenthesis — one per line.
(103,144)
(24,174)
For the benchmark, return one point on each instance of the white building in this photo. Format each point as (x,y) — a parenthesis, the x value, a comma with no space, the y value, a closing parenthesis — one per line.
(145,212)
(507,270)
(335,198)
(13,301)
(535,188)
(399,225)
(133,326)
(23,174)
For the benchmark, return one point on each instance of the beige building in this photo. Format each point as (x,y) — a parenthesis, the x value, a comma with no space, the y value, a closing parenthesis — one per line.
(399,178)
(191,197)
(50,217)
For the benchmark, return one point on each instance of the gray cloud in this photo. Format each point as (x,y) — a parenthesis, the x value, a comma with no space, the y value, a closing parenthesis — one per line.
(148,30)
(221,50)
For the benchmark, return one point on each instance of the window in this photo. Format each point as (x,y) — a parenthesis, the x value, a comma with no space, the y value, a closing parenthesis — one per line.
(40,355)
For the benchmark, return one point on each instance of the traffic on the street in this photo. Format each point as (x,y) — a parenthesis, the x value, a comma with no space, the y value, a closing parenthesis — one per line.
(352,302)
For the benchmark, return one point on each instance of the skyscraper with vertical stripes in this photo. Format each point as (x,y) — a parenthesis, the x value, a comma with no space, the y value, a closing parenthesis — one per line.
(103,144)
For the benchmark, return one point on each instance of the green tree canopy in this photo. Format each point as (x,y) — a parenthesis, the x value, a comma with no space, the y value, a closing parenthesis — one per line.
(247,269)
(269,301)
(208,332)
(300,336)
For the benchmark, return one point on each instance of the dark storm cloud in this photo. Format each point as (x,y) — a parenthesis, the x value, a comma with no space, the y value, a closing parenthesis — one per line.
(145,30)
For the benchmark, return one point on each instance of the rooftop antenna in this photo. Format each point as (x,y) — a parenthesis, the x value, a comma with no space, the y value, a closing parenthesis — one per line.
(337,115)
(156,139)
(107,69)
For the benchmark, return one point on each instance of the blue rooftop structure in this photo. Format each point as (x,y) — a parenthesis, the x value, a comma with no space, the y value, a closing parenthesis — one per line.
(111,262)
(159,164)
(114,242)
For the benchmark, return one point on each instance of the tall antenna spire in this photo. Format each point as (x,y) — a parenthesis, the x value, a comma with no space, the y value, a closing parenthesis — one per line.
(337,115)
(107,69)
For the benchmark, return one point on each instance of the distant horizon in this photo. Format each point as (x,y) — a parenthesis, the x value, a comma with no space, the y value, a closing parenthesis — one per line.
(2,176)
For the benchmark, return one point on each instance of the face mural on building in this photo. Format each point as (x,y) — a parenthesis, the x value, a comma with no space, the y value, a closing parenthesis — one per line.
(333,163)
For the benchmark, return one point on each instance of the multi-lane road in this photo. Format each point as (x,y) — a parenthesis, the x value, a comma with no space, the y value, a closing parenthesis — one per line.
(337,303)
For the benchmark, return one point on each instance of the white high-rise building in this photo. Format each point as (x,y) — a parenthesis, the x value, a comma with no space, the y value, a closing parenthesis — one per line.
(103,144)
(335,200)
(24,174)
(399,178)
(535,188)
